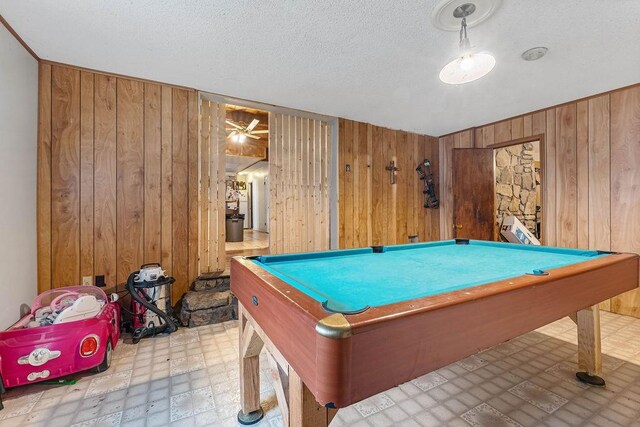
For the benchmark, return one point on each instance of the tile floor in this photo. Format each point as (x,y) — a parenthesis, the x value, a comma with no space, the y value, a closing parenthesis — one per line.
(190,378)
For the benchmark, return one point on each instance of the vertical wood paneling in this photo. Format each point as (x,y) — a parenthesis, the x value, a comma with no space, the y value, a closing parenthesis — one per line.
(625,185)
(105,178)
(220,143)
(466,139)
(591,187)
(503,131)
(549,211)
(410,161)
(384,213)
(285,242)
(599,171)
(377,182)
(308,183)
(299,162)
(194,203)
(306,203)
(152,173)
(566,176)
(348,199)
(478,138)
(446,187)
(325,164)
(86,173)
(130,176)
(180,187)
(364,185)
(44,178)
(389,226)
(205,186)
(342,237)
(582,174)
(527,125)
(517,128)
(105,257)
(488,136)
(538,123)
(431,149)
(166,185)
(599,174)
(275,176)
(402,182)
(65,176)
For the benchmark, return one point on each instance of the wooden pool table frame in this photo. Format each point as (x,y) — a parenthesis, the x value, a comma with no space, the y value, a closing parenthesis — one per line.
(322,361)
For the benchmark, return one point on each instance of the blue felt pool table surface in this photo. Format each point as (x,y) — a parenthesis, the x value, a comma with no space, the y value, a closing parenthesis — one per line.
(353,279)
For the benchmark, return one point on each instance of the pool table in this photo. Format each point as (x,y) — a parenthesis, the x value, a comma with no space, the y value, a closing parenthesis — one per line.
(343,325)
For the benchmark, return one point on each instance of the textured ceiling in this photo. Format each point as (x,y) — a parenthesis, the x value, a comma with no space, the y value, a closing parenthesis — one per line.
(374,61)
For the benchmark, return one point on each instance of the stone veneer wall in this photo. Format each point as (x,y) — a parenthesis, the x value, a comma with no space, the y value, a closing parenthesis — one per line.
(516,184)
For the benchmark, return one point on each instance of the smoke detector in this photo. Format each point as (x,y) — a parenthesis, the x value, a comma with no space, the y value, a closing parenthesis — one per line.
(446,15)
(534,53)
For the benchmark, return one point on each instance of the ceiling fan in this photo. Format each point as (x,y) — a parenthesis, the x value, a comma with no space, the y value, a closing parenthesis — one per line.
(240,131)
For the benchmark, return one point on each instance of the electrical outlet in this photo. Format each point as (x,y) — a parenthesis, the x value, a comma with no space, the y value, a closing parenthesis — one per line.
(87,280)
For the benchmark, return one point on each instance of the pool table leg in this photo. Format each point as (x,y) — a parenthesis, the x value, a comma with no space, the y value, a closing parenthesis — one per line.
(589,346)
(250,346)
(303,409)
(297,404)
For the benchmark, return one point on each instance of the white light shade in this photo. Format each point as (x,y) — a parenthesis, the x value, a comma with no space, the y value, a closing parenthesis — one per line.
(467,68)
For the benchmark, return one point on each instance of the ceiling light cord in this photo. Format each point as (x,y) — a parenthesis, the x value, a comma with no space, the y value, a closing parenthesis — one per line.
(464,40)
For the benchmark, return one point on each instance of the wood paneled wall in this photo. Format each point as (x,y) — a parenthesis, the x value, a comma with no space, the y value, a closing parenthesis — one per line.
(373,211)
(591,178)
(299,165)
(117,178)
(213,137)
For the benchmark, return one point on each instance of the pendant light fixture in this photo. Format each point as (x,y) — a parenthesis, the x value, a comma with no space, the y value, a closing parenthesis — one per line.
(468,66)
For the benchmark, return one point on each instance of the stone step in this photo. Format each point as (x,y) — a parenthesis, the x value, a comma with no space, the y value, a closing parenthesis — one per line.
(219,283)
(208,306)
(203,300)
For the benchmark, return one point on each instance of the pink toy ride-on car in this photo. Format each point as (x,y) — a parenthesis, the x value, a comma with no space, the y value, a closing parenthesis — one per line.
(68,330)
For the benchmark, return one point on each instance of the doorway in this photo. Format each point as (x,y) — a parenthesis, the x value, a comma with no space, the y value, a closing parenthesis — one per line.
(246,163)
(501,181)
(518,186)
(267,173)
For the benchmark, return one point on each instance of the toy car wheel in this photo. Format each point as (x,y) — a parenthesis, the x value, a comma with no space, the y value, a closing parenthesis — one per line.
(106,362)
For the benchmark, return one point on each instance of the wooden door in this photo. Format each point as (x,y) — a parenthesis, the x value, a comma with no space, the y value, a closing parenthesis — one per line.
(473,193)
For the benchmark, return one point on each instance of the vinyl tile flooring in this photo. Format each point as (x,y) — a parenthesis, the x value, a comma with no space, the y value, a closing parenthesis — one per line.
(190,378)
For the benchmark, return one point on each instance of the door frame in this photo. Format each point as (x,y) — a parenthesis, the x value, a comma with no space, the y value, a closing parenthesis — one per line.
(333,121)
(545,191)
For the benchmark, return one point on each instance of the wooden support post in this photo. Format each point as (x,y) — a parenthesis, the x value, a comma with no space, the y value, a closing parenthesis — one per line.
(250,346)
(589,346)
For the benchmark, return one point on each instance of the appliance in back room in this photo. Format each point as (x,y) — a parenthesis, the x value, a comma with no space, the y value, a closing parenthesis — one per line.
(244,203)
